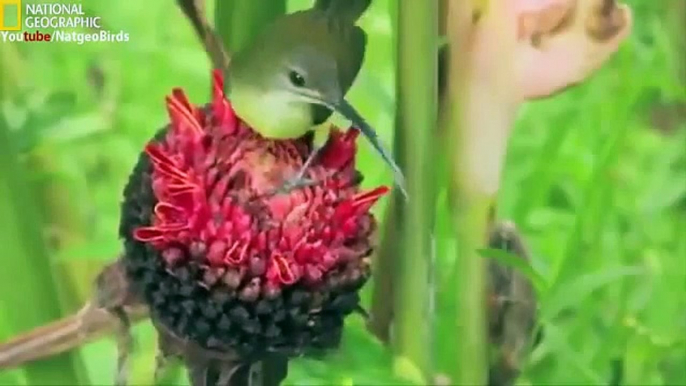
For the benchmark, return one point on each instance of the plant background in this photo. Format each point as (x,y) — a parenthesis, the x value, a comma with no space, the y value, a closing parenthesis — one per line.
(595,178)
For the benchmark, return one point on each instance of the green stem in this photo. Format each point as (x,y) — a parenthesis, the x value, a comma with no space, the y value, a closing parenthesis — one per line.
(381,310)
(27,268)
(677,14)
(478,115)
(238,21)
(416,116)
(471,218)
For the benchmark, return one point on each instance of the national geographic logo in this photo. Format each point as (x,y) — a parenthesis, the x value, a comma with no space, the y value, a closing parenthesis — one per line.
(53,21)
(10,15)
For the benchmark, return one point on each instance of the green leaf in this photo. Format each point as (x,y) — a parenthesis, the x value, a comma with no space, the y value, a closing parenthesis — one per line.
(405,368)
(575,291)
(517,263)
(26,269)
(574,360)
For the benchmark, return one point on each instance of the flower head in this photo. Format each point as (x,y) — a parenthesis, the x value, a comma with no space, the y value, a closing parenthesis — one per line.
(225,261)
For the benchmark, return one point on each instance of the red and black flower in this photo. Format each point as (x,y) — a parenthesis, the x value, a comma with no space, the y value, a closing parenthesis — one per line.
(225,262)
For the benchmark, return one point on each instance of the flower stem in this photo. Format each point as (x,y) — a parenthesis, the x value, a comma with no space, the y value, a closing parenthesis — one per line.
(478,115)
(381,310)
(416,128)
(677,15)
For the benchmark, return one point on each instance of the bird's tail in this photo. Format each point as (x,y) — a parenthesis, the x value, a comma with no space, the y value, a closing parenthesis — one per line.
(349,10)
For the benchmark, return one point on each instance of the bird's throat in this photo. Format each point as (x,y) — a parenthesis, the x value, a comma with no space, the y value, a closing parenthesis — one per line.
(273,114)
(320,114)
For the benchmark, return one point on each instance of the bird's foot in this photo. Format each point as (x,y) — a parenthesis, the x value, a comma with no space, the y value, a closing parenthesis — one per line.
(124,346)
(169,353)
(161,366)
(167,369)
(299,181)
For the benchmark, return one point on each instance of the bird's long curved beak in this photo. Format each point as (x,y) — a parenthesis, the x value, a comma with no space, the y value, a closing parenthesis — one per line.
(349,112)
(344,108)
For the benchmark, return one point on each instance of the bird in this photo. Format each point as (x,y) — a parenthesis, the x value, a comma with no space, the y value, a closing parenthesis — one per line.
(295,74)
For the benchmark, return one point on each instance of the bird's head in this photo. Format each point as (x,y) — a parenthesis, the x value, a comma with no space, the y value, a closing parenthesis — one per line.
(308,76)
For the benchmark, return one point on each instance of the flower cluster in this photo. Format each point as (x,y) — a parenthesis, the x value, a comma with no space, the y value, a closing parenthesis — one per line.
(224,258)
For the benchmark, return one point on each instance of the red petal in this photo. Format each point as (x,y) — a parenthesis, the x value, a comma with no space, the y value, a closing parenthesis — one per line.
(173,227)
(148,234)
(179,189)
(340,148)
(183,115)
(218,85)
(164,164)
(359,203)
(236,256)
(225,116)
(283,270)
(351,135)
(180,97)
(184,199)
(223,112)
(168,212)
(365,200)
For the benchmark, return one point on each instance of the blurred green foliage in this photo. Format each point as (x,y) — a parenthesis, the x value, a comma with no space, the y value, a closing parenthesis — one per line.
(594,179)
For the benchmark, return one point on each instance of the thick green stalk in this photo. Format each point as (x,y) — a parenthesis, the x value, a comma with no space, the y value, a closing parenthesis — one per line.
(470,332)
(677,15)
(416,115)
(238,21)
(381,310)
(384,270)
(469,272)
(28,287)
(478,116)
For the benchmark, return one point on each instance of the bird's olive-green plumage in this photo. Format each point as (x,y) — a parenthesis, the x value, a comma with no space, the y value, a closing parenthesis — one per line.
(321,44)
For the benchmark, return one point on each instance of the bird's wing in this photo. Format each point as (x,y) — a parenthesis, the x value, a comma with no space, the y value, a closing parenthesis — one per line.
(347,10)
(353,57)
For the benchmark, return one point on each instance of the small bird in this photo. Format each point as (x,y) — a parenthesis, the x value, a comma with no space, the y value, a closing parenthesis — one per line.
(296,73)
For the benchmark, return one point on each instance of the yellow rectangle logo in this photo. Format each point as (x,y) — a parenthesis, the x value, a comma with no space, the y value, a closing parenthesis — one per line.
(10,15)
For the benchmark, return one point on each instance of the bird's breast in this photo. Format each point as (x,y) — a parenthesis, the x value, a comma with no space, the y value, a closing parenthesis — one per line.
(272,114)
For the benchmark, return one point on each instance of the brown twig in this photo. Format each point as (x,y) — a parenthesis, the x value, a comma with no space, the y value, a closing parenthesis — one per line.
(63,335)
(95,319)
(195,12)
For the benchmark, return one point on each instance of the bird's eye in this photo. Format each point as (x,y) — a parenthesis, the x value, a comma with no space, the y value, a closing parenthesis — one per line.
(296,79)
